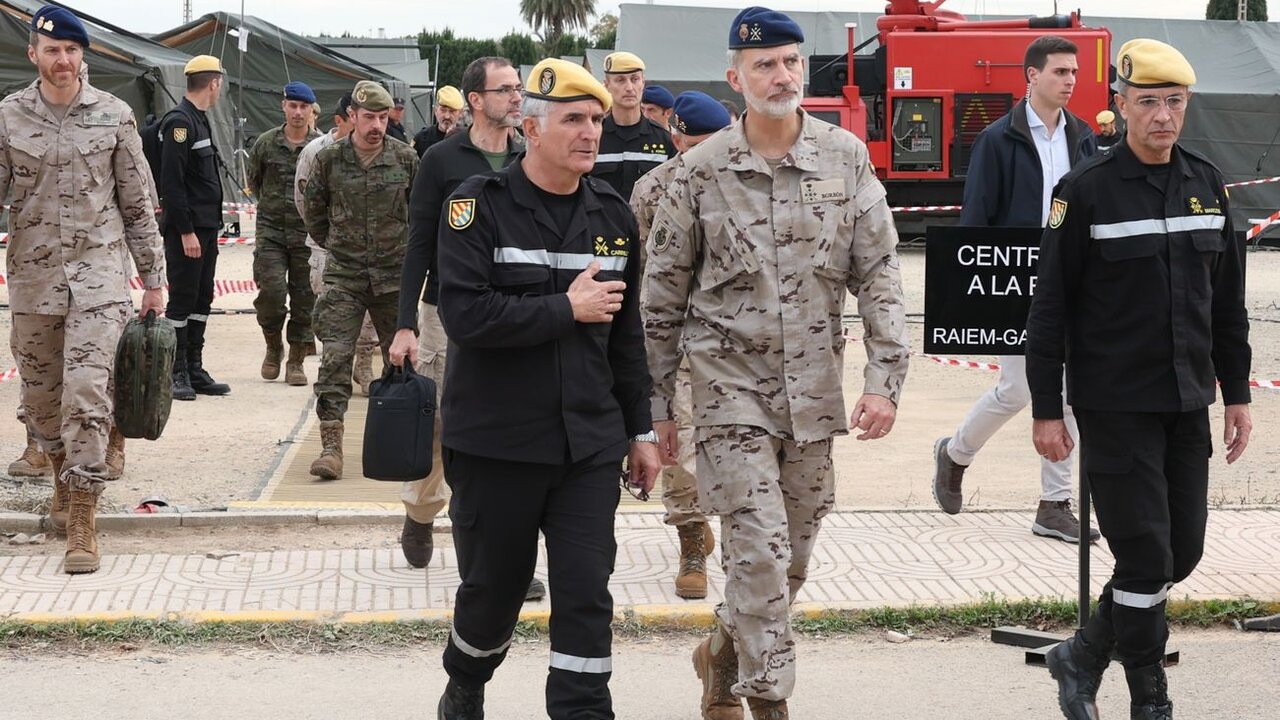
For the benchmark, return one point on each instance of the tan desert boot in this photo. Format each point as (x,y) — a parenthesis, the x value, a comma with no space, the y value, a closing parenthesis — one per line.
(59,504)
(293,372)
(329,465)
(275,353)
(691,581)
(115,454)
(32,463)
(767,709)
(718,673)
(82,537)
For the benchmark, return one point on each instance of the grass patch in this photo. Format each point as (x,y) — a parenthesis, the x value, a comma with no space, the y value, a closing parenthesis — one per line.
(328,637)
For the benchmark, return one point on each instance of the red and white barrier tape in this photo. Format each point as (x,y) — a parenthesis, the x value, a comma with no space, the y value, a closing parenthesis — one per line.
(235,241)
(8,375)
(1263,181)
(251,207)
(924,208)
(1267,222)
(952,362)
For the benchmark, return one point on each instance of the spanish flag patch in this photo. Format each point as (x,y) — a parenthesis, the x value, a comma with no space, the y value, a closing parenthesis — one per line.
(461,213)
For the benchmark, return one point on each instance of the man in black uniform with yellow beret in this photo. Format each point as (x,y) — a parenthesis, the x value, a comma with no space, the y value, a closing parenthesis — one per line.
(630,144)
(191,196)
(547,391)
(1141,295)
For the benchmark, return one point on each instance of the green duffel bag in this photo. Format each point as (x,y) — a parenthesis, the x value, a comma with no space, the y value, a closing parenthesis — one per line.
(144,376)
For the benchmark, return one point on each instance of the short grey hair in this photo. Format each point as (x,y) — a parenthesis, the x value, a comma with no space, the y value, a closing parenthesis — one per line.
(536,108)
(734,57)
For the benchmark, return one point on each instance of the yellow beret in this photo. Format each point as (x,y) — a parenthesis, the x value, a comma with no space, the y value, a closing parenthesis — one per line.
(1147,63)
(1106,116)
(622,62)
(562,81)
(369,95)
(203,63)
(449,96)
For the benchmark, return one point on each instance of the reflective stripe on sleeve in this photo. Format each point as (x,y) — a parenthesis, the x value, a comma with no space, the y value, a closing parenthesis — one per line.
(1142,601)
(573,663)
(556,261)
(473,651)
(1155,226)
(201,143)
(632,157)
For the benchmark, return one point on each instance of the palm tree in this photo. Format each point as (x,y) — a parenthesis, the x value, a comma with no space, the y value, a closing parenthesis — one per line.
(552,18)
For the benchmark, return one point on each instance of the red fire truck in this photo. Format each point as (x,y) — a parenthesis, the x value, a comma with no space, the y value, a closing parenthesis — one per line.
(933,82)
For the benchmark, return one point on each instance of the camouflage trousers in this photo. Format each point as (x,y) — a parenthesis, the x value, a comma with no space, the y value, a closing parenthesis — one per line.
(424,499)
(66,364)
(771,495)
(339,312)
(282,271)
(368,341)
(680,482)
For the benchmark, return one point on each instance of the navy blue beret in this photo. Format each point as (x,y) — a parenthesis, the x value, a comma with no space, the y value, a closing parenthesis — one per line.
(758,27)
(60,24)
(658,95)
(697,113)
(299,91)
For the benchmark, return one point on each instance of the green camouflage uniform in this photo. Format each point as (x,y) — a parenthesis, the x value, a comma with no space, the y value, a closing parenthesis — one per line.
(747,272)
(81,198)
(361,218)
(280,253)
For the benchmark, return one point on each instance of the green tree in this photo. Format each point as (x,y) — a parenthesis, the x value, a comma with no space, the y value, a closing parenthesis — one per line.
(1229,10)
(455,53)
(519,48)
(551,19)
(571,45)
(604,34)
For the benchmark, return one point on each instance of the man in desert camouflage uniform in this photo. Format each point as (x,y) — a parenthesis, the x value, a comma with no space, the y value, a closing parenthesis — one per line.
(356,206)
(763,228)
(71,160)
(281,266)
(697,116)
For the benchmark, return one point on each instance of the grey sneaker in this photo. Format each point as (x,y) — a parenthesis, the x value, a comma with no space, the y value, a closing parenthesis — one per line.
(1055,520)
(947,476)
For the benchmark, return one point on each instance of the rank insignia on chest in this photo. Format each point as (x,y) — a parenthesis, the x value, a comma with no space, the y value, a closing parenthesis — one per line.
(601,246)
(179,134)
(1196,207)
(461,213)
(1057,213)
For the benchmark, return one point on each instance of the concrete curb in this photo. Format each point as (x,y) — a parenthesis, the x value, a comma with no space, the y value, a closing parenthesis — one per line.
(131,522)
(694,616)
(11,522)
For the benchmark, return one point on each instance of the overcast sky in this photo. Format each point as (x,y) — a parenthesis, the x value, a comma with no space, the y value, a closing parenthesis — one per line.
(494,18)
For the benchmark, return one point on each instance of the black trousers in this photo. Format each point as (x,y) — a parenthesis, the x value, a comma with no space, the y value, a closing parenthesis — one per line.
(1149,475)
(190,279)
(497,509)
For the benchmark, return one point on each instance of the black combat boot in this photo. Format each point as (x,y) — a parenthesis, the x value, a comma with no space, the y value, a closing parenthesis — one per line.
(181,380)
(1078,668)
(461,702)
(201,381)
(1148,693)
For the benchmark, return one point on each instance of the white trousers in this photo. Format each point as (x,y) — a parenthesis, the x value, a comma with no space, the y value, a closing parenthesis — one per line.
(1010,395)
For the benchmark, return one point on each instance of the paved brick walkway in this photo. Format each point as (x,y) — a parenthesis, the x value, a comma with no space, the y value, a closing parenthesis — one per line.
(863,559)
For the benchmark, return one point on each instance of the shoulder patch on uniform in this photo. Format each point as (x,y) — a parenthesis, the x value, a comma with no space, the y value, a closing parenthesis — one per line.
(661,236)
(179,134)
(461,213)
(1057,213)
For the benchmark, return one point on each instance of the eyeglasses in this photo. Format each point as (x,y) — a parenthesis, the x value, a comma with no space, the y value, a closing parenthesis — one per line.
(638,493)
(510,90)
(1149,103)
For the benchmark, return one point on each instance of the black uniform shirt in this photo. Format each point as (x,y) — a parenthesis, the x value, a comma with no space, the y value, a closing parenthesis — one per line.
(396,130)
(450,161)
(427,137)
(190,191)
(1140,290)
(629,151)
(525,381)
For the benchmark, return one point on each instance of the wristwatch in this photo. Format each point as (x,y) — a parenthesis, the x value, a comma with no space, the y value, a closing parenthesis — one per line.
(649,437)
